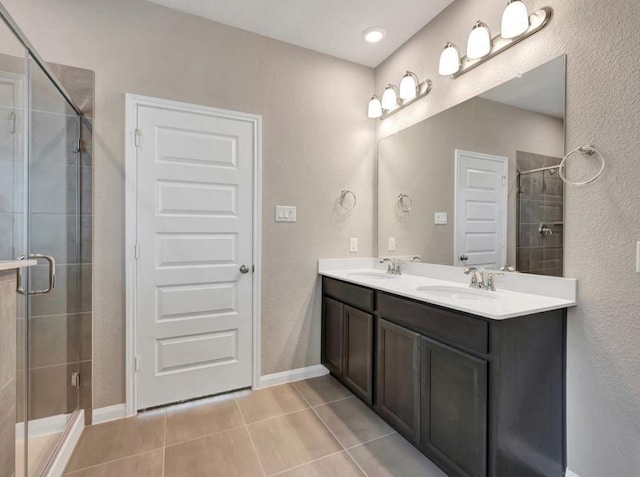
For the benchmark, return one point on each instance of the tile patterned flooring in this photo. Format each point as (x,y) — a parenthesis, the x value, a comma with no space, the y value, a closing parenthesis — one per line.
(311,428)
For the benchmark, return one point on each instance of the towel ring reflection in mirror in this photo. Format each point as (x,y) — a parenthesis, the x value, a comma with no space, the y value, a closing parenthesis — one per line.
(405,203)
(344,202)
(586,151)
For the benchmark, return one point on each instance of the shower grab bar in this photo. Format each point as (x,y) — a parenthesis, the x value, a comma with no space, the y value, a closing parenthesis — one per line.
(52,274)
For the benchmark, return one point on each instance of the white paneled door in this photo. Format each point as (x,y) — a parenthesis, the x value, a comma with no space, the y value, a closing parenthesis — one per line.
(481,210)
(194,234)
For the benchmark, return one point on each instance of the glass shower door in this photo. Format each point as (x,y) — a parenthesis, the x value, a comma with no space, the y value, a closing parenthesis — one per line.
(54,224)
(13,165)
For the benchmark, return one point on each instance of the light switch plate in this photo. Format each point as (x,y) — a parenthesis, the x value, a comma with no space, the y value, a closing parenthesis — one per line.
(392,244)
(638,257)
(286,213)
(353,246)
(440,218)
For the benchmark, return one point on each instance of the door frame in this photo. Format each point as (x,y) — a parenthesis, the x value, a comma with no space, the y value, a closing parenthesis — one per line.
(505,198)
(132,103)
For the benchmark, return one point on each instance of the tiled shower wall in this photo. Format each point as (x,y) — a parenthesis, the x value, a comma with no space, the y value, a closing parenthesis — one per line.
(540,201)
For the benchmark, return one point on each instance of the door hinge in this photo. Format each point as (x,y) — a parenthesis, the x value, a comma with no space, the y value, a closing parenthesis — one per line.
(136,251)
(504,180)
(136,363)
(75,380)
(79,145)
(136,138)
(12,125)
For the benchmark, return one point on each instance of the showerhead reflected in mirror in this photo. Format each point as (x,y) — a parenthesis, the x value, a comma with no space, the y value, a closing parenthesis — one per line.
(483,179)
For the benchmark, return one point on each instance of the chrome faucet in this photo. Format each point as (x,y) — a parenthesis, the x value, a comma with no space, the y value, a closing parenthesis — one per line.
(394,266)
(477,277)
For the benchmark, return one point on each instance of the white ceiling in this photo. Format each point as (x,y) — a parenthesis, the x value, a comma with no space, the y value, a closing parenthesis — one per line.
(333,27)
(541,90)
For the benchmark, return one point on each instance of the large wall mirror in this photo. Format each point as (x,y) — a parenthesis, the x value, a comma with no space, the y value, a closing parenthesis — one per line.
(478,184)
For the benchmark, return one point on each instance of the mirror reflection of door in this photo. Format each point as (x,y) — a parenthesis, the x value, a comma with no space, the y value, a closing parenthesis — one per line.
(481,210)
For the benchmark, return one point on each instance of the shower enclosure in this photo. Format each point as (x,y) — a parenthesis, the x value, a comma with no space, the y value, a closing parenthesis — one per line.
(540,215)
(45,212)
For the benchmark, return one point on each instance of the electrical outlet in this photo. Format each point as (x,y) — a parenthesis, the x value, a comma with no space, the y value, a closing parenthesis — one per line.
(392,244)
(353,247)
(286,213)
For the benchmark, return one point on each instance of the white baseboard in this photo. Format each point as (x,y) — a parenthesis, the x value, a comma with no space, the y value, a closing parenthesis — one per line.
(68,445)
(569,473)
(109,413)
(44,426)
(293,375)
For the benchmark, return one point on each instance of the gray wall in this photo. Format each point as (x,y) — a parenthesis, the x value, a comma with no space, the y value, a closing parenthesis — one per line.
(420,162)
(316,142)
(602,226)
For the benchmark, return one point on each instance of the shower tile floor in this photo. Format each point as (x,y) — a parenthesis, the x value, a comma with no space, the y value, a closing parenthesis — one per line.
(311,428)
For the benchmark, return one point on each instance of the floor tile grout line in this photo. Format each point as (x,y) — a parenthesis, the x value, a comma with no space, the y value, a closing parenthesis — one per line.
(253,445)
(306,463)
(370,440)
(235,428)
(111,461)
(332,433)
(277,416)
(333,402)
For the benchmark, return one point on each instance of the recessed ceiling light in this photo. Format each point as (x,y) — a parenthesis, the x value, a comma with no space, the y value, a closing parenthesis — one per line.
(373,34)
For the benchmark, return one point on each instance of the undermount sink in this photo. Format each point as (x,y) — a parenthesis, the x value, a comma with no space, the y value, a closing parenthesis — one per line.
(456,293)
(379,275)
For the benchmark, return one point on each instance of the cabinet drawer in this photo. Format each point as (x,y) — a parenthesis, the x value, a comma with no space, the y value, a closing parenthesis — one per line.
(454,328)
(353,295)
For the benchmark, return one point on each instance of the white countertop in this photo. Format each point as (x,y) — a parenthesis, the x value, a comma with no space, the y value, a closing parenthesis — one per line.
(14,264)
(504,304)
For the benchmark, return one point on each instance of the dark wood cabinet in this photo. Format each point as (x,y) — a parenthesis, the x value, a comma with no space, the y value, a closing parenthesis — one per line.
(358,352)
(479,397)
(398,378)
(454,408)
(333,335)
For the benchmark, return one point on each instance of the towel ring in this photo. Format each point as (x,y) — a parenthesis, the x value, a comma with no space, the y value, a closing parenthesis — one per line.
(585,151)
(401,203)
(343,195)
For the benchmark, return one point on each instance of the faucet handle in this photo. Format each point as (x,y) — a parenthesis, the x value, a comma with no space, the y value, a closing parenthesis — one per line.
(469,270)
(491,282)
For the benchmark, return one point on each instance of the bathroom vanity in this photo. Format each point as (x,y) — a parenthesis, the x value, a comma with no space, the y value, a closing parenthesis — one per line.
(475,382)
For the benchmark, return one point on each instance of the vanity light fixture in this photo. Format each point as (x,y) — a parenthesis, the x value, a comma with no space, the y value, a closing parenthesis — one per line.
(375,108)
(515,19)
(394,98)
(374,34)
(390,97)
(479,43)
(409,86)
(516,25)
(450,62)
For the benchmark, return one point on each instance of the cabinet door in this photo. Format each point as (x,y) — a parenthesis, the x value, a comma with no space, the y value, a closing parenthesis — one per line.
(332,335)
(398,378)
(358,358)
(454,412)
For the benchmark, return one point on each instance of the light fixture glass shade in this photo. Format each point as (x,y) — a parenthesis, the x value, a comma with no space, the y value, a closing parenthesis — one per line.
(515,19)
(408,86)
(449,60)
(479,42)
(390,97)
(375,108)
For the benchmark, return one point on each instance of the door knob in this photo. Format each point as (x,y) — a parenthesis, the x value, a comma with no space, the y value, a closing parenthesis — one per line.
(244,269)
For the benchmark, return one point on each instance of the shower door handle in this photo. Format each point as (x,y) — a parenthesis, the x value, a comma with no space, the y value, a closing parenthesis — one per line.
(52,274)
